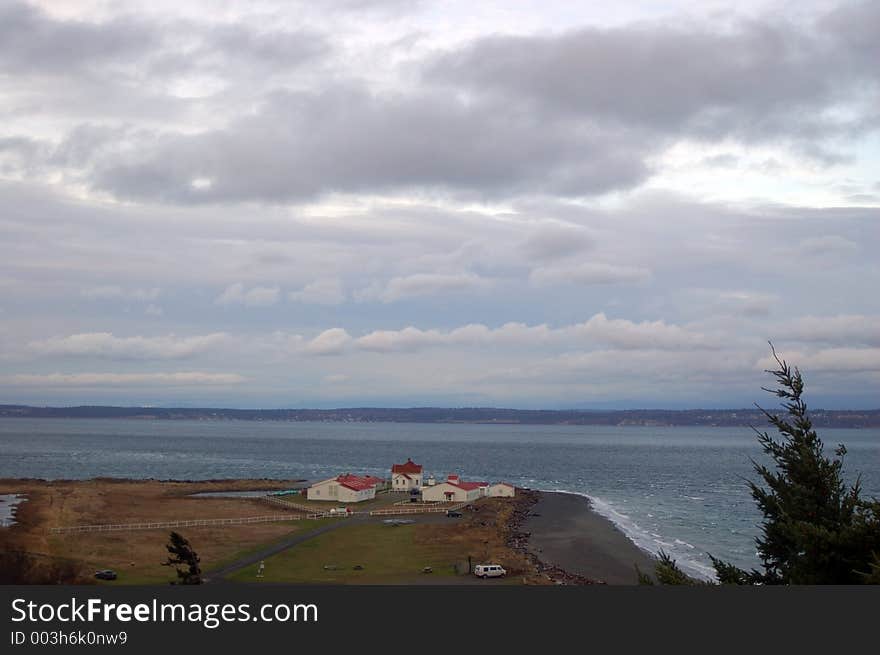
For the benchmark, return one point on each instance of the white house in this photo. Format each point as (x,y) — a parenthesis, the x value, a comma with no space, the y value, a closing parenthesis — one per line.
(501,490)
(406,476)
(454,490)
(346,488)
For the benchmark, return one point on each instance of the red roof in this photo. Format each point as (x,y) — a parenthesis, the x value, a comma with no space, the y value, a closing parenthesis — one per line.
(358,483)
(408,467)
(468,486)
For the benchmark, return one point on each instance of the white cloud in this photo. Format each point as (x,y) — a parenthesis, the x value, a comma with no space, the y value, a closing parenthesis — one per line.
(599,329)
(329,342)
(646,335)
(835,360)
(749,303)
(424,284)
(846,329)
(107,346)
(236,294)
(325,291)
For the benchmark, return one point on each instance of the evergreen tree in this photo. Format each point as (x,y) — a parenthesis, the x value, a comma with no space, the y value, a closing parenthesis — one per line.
(182,556)
(667,573)
(816,529)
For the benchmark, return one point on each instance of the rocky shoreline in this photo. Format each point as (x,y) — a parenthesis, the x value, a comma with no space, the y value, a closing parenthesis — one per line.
(518,540)
(568,543)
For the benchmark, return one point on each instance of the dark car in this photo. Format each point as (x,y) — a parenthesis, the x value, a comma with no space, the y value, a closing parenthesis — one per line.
(105,574)
(453,514)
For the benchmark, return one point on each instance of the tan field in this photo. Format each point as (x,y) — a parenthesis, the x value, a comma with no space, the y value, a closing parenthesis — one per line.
(137,556)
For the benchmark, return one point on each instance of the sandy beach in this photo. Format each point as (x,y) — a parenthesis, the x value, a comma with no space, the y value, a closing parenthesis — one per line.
(566,532)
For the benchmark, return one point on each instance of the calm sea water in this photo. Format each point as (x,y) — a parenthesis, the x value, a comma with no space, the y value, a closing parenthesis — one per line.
(680,489)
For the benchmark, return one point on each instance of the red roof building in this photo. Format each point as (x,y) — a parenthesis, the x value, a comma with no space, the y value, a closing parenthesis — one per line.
(408,467)
(346,488)
(357,482)
(454,489)
(406,476)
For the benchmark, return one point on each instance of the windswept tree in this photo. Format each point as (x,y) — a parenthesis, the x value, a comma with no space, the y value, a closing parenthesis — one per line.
(184,558)
(816,528)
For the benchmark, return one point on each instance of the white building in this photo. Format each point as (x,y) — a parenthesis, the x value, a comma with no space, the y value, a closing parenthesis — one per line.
(346,488)
(454,490)
(406,476)
(501,490)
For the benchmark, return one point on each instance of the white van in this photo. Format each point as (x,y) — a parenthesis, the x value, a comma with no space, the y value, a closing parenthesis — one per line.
(489,571)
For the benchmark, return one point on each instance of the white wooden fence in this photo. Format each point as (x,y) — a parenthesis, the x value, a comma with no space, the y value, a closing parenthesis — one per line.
(190,523)
(396,510)
(201,523)
(286,504)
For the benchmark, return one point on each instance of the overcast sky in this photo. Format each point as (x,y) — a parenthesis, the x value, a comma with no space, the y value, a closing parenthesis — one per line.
(391,202)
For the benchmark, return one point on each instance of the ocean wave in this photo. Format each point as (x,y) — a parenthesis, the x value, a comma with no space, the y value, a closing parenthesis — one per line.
(649,542)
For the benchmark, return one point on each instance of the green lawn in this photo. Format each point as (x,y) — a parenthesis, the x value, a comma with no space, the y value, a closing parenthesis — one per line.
(387,554)
(304,525)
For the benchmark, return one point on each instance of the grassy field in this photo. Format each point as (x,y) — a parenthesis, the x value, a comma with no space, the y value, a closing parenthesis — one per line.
(137,556)
(388,555)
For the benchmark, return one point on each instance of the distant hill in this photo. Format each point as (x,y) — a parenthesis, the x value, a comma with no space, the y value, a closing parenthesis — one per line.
(869,418)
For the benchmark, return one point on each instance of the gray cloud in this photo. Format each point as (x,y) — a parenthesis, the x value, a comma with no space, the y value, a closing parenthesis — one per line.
(587,273)
(844,330)
(556,241)
(579,113)
(115,292)
(174,379)
(32,41)
(755,79)
(300,145)
(434,193)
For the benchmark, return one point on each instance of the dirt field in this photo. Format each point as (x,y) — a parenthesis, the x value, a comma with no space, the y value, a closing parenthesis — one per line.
(136,556)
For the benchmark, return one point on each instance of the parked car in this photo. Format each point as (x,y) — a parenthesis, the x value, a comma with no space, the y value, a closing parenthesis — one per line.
(453,514)
(105,574)
(489,571)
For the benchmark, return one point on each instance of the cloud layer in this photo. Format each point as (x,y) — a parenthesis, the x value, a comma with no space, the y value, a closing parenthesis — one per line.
(392,202)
